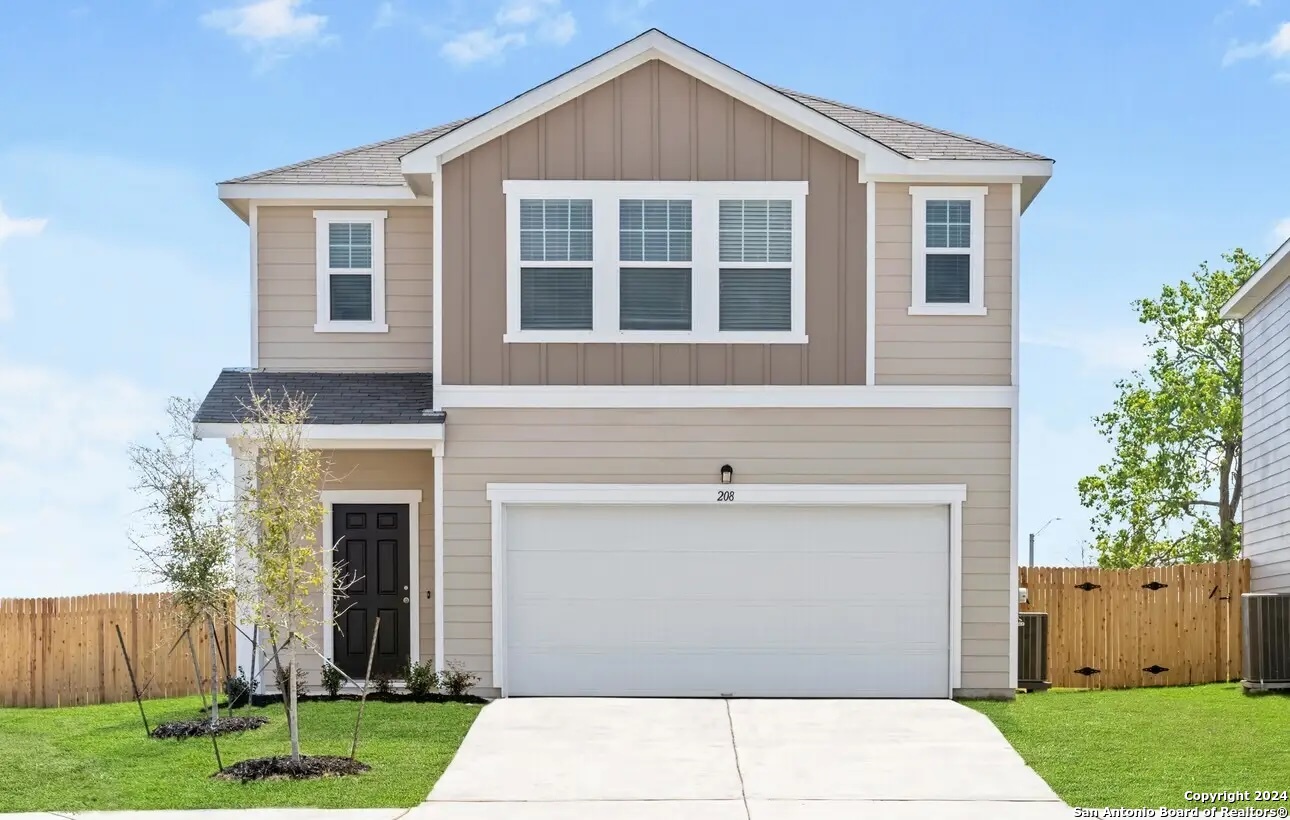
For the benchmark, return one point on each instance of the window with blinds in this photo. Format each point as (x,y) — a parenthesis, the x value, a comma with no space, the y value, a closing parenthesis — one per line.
(555,294)
(755,237)
(351,271)
(655,243)
(948,243)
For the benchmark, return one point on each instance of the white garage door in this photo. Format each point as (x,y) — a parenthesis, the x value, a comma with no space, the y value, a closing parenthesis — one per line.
(712,600)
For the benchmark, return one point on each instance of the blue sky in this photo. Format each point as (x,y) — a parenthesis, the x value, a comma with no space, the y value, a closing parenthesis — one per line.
(123,279)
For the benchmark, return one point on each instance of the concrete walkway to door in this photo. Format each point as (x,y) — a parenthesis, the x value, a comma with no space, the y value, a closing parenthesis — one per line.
(549,758)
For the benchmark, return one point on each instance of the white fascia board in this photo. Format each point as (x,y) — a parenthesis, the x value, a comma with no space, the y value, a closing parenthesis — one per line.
(341,436)
(652,44)
(270,191)
(787,494)
(725,396)
(959,170)
(1265,280)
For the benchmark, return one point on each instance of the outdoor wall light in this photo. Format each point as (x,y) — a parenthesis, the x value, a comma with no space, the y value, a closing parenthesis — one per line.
(727,474)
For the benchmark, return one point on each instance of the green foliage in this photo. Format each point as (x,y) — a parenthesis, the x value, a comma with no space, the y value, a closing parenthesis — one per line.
(382,683)
(282,678)
(421,679)
(238,688)
(1171,492)
(331,680)
(456,681)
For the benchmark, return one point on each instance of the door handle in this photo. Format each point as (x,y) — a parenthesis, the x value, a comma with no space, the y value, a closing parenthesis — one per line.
(406,600)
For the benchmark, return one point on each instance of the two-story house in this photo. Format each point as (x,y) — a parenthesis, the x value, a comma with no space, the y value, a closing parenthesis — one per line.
(657,380)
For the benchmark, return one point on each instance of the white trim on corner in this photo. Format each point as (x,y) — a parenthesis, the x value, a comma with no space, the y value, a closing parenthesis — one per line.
(871,282)
(1014,542)
(413,499)
(253,221)
(343,436)
(323,321)
(500,496)
(606,266)
(438,559)
(1260,285)
(436,286)
(694,396)
(975,306)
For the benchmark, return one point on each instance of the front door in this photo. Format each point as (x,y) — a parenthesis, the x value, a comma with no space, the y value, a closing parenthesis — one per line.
(371,547)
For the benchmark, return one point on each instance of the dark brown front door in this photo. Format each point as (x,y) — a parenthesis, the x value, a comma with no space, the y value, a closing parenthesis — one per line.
(372,541)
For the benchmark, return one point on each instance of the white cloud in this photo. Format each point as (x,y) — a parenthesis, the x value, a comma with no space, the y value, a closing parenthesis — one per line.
(480,44)
(64,466)
(1277,47)
(515,24)
(272,28)
(1281,77)
(1110,348)
(628,13)
(10,228)
(1280,232)
(385,15)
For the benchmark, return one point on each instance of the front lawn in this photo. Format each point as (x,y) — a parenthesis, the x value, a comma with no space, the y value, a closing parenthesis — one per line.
(1147,747)
(97,757)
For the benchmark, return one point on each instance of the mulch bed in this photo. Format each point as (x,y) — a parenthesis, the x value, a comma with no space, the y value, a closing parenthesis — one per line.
(282,768)
(202,728)
(389,697)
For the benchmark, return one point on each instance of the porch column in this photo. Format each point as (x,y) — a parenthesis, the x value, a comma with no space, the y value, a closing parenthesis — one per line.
(243,478)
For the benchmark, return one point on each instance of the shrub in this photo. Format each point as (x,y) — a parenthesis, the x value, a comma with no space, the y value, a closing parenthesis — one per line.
(282,679)
(331,680)
(382,683)
(456,681)
(421,679)
(238,689)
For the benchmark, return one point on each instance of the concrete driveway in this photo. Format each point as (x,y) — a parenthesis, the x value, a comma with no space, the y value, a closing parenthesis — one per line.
(548,758)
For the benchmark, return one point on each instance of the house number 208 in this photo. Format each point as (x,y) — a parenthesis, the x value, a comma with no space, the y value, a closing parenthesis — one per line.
(725,495)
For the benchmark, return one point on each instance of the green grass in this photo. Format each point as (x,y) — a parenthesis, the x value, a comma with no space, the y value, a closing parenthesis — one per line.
(97,757)
(1147,747)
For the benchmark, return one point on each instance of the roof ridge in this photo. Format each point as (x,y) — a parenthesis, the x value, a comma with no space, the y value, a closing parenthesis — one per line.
(911,123)
(347,151)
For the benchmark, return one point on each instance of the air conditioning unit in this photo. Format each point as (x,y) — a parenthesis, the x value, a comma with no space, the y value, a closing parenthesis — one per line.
(1032,651)
(1265,622)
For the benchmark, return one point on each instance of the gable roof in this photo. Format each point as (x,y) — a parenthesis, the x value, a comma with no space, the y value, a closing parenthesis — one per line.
(379,163)
(336,397)
(1260,286)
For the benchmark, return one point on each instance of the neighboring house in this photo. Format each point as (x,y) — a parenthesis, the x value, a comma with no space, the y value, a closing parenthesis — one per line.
(657,380)
(1262,304)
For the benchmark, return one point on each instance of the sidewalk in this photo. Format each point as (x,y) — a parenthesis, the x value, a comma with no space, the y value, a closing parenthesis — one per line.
(217,814)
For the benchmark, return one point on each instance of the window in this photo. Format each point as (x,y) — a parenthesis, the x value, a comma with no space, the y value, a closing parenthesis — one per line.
(636,261)
(554,294)
(949,251)
(655,282)
(351,271)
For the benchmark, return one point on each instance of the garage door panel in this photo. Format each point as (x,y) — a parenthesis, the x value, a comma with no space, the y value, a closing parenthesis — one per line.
(703,600)
(605,626)
(733,673)
(728,576)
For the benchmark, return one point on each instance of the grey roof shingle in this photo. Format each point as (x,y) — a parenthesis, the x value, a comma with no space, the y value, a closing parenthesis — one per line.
(338,398)
(378,163)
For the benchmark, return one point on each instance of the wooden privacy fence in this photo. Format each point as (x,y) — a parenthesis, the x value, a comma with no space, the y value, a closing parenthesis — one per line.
(1153,626)
(65,651)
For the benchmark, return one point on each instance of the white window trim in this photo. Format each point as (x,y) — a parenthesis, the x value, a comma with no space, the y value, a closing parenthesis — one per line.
(705,294)
(919,306)
(501,496)
(412,498)
(324,322)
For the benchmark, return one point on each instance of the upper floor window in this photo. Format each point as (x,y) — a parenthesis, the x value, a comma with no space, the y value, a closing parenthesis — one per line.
(351,271)
(948,251)
(656,261)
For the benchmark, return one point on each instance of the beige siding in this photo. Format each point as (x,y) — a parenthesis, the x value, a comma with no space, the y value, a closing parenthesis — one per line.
(288,296)
(387,470)
(654,122)
(763,446)
(940,349)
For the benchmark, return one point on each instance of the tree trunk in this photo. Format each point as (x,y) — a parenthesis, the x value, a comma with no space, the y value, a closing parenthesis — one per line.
(293,713)
(1227,542)
(214,676)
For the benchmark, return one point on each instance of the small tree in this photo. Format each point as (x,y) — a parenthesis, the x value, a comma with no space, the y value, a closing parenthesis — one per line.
(282,513)
(188,546)
(1172,490)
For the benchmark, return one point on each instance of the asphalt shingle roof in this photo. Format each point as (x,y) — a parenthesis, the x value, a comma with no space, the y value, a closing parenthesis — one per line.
(378,163)
(338,398)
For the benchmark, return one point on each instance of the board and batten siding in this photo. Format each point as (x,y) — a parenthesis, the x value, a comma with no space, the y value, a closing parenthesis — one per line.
(764,445)
(287,284)
(384,470)
(654,122)
(1265,508)
(940,349)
